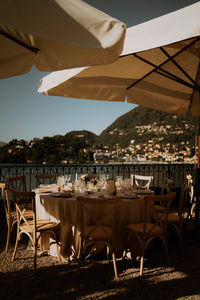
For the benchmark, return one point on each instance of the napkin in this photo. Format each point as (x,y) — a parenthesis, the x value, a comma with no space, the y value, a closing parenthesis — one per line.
(144,192)
(44,188)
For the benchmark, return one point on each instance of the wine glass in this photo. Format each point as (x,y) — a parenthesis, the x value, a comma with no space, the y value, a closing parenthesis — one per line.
(60,182)
(67,178)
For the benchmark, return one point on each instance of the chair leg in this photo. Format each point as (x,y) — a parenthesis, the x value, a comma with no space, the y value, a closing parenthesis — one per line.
(40,244)
(8,237)
(35,255)
(141,262)
(58,252)
(114,265)
(16,244)
(81,251)
(57,246)
(108,254)
(142,247)
(124,254)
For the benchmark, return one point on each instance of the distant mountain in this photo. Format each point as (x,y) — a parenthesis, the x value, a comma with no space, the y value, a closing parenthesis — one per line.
(161,136)
(2,144)
(142,124)
(74,147)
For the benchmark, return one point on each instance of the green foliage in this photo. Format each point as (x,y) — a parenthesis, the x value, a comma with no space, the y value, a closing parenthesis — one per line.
(51,149)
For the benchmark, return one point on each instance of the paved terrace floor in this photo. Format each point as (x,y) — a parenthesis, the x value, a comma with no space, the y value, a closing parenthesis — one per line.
(94,280)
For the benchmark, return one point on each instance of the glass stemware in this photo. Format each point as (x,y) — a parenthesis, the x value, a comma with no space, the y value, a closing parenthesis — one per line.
(67,178)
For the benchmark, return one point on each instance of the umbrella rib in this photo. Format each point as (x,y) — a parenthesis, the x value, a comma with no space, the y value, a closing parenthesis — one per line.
(13,39)
(163,73)
(178,80)
(177,65)
(181,81)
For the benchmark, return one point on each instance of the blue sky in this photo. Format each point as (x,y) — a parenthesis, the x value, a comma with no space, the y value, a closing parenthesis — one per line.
(25,114)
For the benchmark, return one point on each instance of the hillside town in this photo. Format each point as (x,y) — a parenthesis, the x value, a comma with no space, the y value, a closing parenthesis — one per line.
(154,149)
(147,152)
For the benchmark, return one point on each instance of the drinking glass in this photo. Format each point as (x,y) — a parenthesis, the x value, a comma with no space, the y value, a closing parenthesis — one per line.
(67,178)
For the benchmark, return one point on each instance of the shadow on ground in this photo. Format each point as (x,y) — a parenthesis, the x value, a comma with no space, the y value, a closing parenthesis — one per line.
(94,280)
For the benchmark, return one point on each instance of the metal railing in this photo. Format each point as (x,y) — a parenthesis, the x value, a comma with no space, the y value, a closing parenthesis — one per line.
(177,172)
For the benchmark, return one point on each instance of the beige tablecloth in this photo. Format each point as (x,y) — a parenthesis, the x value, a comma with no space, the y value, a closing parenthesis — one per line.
(66,211)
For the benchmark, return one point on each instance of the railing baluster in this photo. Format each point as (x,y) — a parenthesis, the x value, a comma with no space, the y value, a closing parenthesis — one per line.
(176,172)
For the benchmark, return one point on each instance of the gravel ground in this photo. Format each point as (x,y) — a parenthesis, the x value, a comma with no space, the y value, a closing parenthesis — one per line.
(94,280)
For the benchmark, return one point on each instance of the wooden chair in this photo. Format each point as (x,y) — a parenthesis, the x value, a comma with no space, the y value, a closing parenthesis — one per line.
(110,185)
(34,228)
(177,217)
(190,184)
(148,230)
(18,183)
(11,216)
(142,180)
(96,233)
(167,186)
(46,178)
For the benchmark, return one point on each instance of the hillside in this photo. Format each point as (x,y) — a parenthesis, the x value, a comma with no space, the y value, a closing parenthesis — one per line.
(2,144)
(142,124)
(161,137)
(74,147)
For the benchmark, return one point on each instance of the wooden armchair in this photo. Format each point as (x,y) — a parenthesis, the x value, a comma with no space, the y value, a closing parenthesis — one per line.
(11,216)
(176,218)
(167,186)
(142,180)
(34,228)
(148,230)
(17,183)
(96,232)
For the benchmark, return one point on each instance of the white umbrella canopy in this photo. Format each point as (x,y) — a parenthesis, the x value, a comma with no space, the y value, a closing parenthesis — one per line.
(158,68)
(55,35)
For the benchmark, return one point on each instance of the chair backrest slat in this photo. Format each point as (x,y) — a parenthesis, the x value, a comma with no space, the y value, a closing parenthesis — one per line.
(143,180)
(46,178)
(160,205)
(23,201)
(17,183)
(5,197)
(167,186)
(184,201)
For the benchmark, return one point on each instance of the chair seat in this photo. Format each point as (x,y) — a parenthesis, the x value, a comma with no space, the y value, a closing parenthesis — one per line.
(175,217)
(99,233)
(160,208)
(42,225)
(13,215)
(147,231)
(28,214)
(139,227)
(33,227)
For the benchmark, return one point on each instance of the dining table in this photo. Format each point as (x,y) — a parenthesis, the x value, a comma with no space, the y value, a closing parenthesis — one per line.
(62,207)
